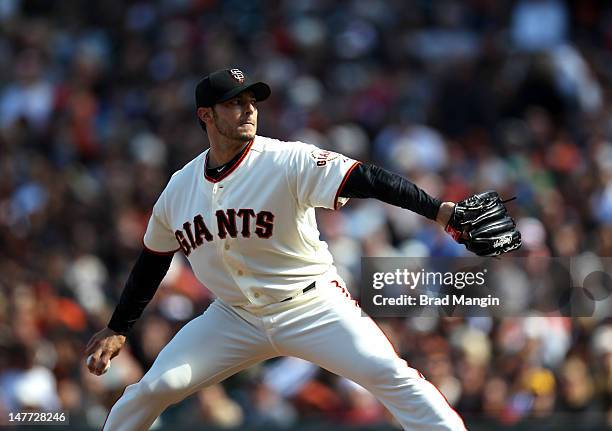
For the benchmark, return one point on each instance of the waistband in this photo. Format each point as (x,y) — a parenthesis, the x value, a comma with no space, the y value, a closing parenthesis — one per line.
(309,293)
(304,290)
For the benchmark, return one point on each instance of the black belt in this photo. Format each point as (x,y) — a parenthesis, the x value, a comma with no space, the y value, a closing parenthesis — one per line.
(304,290)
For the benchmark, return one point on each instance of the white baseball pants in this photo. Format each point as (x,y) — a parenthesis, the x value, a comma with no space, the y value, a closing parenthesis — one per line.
(323,326)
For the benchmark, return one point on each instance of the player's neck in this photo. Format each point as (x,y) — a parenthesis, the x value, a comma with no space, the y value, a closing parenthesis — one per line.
(224,150)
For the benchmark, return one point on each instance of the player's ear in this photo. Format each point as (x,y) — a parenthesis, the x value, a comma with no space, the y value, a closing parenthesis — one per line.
(205,114)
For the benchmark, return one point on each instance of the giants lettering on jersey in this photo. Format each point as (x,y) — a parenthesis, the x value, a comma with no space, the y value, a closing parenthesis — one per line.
(230,223)
(321,157)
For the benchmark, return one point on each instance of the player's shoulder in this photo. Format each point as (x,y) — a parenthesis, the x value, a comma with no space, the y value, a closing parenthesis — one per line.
(282,150)
(187,172)
(272,145)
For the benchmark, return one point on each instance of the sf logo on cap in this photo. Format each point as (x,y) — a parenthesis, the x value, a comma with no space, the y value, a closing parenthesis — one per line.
(237,74)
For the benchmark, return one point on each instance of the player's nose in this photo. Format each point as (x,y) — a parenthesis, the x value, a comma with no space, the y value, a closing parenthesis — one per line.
(249,107)
(249,115)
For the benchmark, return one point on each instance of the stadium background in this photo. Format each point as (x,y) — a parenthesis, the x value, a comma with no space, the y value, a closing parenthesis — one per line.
(97,110)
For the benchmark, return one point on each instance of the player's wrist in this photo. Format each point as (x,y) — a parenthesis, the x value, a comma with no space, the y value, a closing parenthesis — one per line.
(444,213)
(114,333)
(115,328)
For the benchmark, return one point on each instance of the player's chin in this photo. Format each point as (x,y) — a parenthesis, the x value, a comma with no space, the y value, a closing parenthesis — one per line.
(246,132)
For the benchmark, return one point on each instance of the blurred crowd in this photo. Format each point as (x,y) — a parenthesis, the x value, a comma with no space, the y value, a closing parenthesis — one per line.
(97,111)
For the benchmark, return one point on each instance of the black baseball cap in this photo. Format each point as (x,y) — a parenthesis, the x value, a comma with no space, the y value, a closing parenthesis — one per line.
(222,85)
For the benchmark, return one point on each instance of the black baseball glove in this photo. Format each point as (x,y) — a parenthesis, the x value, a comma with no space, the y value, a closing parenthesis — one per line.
(481,222)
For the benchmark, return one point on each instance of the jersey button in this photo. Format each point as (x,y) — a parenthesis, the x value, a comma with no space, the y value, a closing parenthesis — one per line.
(226,246)
(240,272)
(256,295)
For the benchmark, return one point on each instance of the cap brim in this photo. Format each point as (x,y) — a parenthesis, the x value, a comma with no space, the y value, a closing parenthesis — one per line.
(261,90)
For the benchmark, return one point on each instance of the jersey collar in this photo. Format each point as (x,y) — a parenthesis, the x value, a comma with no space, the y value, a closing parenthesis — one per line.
(229,169)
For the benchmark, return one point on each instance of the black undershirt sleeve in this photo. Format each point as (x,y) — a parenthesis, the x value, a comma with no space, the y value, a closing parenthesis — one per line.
(371,181)
(148,271)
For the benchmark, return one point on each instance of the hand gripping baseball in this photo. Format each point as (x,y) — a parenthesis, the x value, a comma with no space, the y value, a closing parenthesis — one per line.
(481,222)
(103,347)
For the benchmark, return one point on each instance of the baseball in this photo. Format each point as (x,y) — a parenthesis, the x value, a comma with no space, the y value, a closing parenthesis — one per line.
(90,358)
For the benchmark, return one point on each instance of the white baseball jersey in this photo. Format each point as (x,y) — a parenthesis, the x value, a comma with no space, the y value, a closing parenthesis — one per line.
(251,235)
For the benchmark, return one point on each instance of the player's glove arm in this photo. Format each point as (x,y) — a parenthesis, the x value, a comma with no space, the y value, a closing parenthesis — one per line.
(371,181)
(147,273)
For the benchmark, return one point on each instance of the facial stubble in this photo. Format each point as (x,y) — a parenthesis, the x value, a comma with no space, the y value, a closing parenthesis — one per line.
(228,131)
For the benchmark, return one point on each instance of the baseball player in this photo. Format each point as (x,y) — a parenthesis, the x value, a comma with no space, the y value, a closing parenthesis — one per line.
(243,214)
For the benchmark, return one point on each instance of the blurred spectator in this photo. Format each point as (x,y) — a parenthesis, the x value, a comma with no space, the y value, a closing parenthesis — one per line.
(25,385)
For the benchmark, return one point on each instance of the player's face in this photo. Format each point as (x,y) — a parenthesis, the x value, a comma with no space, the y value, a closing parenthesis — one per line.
(236,119)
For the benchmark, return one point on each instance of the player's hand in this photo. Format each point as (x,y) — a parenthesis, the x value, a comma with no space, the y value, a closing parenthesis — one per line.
(103,347)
